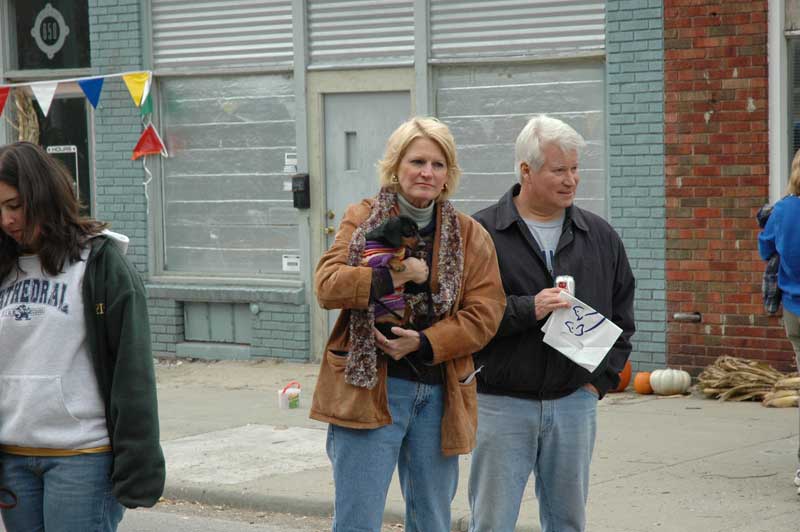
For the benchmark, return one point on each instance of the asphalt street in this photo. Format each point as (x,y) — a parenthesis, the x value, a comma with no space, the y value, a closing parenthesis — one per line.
(178,516)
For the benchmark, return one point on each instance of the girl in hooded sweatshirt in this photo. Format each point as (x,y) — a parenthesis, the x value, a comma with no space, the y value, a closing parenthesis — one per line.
(79,438)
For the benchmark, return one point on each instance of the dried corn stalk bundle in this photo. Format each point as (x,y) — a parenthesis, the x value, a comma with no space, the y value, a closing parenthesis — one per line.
(23,116)
(738,379)
(786,392)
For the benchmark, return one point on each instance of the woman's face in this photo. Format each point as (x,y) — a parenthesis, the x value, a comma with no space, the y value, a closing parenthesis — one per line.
(12,217)
(422,172)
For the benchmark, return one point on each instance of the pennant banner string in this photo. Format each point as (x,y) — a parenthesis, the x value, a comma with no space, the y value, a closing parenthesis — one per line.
(150,143)
(145,183)
(68,80)
(44,95)
(138,85)
(92,88)
(3,97)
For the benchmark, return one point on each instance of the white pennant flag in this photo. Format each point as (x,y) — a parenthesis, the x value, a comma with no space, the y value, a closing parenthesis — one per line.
(44,93)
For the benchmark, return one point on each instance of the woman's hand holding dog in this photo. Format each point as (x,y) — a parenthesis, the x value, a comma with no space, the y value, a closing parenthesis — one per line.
(407,341)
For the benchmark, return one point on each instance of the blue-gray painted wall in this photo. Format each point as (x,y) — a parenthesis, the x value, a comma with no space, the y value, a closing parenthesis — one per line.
(115,38)
(635,88)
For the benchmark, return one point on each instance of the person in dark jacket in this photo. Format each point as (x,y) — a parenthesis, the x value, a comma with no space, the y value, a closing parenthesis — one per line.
(536,408)
(79,435)
(780,239)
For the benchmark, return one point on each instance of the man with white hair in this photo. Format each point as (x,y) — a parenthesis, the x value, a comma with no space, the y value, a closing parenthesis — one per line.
(537,408)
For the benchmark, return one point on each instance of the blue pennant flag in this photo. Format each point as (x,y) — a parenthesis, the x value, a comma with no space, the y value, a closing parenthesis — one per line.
(91,88)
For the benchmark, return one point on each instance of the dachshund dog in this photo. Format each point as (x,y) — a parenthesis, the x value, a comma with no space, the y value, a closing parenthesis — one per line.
(399,233)
(387,246)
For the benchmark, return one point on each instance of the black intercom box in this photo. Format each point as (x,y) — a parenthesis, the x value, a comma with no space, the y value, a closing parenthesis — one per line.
(301,195)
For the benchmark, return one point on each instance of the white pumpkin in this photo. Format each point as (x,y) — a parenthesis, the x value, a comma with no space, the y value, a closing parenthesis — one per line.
(670,381)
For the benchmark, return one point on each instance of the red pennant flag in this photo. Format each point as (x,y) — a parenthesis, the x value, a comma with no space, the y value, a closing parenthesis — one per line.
(149,144)
(3,97)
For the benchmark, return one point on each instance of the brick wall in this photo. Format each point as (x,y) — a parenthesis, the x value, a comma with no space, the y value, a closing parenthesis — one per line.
(282,331)
(115,39)
(166,325)
(716,179)
(635,73)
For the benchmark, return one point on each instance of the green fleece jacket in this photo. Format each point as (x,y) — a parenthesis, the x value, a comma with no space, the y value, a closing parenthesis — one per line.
(118,333)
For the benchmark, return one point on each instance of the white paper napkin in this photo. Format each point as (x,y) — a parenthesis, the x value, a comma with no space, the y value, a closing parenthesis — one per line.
(580,333)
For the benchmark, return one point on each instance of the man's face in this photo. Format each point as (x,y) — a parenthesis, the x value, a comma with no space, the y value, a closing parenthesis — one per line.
(553,186)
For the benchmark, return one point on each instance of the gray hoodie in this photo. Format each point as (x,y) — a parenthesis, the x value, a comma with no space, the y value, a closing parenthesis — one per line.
(49,397)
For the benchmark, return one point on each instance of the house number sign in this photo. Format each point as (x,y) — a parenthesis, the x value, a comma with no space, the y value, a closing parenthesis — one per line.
(50,30)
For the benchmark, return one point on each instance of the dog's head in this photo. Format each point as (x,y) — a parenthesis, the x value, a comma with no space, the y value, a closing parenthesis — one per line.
(397,231)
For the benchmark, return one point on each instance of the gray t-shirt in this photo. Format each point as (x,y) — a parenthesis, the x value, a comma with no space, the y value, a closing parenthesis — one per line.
(547,235)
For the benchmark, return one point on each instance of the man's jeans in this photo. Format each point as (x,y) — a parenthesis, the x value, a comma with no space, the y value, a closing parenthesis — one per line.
(364,460)
(792,323)
(60,494)
(553,439)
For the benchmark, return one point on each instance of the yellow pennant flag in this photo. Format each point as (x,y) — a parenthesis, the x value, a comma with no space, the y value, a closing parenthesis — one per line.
(138,85)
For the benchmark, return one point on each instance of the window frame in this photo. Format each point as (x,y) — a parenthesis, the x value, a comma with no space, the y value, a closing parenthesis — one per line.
(68,90)
(156,220)
(779,102)
(8,45)
(156,190)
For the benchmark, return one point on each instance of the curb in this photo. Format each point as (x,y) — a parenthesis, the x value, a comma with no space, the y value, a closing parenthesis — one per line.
(301,507)
(250,501)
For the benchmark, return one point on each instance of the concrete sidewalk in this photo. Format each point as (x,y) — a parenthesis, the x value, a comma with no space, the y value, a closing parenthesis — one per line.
(679,464)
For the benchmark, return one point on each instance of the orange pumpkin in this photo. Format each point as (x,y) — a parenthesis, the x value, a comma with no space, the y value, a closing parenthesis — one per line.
(624,377)
(641,383)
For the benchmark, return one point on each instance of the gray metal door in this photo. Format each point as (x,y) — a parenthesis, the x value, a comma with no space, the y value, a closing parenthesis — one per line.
(357,126)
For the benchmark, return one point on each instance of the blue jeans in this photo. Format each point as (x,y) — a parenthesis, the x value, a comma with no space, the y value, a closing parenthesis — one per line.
(792,323)
(60,494)
(553,439)
(364,459)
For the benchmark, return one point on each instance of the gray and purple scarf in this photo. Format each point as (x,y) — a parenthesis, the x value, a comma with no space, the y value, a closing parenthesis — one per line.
(362,363)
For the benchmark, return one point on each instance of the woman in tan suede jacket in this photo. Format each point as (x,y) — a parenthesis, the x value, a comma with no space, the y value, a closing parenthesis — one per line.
(405,395)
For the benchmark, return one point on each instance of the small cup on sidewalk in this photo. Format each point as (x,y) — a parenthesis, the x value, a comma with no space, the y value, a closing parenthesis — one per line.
(289,396)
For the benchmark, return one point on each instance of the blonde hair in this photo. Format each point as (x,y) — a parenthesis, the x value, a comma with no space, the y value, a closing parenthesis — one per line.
(399,141)
(793,187)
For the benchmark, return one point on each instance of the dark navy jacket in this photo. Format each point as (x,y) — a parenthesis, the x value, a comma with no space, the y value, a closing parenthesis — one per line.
(517,362)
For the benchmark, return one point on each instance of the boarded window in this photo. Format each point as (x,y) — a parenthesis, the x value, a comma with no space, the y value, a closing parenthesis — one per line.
(487,106)
(226,206)
(492,28)
(218,322)
(212,33)
(353,32)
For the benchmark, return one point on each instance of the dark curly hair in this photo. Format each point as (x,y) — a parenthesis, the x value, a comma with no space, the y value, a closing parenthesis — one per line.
(49,204)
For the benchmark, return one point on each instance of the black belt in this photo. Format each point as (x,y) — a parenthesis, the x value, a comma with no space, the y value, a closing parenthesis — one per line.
(411,368)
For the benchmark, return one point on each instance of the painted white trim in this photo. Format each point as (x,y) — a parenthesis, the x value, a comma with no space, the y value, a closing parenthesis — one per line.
(778,101)
(300,65)
(422,71)
(147,34)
